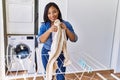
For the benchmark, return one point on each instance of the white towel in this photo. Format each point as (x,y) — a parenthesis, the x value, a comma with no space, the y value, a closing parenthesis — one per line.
(59,44)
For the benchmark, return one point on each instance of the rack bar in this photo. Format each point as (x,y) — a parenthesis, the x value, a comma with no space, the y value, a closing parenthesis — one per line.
(114,76)
(103,78)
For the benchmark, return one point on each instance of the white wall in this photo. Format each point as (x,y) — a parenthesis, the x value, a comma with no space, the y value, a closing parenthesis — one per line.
(2,67)
(116,46)
(118,61)
(94,22)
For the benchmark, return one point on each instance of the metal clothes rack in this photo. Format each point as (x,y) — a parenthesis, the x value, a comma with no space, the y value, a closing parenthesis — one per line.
(80,64)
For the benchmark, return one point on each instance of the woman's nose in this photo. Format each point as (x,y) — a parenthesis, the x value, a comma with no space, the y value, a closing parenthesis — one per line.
(52,15)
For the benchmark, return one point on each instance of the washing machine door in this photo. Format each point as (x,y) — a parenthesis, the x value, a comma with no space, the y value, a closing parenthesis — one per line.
(22,51)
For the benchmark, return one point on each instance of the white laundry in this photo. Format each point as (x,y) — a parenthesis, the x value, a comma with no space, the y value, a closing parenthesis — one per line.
(59,44)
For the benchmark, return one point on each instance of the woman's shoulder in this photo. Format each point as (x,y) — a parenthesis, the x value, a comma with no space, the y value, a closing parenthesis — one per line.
(46,24)
(66,22)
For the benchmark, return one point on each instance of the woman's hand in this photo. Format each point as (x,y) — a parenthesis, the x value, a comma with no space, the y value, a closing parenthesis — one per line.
(63,26)
(53,28)
(69,34)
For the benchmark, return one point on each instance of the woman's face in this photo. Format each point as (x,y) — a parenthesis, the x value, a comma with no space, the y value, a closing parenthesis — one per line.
(53,14)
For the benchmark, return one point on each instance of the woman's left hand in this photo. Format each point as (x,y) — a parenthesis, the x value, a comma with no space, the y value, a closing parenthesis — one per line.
(63,26)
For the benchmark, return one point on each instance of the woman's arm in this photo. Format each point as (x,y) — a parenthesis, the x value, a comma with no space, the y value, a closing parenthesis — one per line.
(71,35)
(45,35)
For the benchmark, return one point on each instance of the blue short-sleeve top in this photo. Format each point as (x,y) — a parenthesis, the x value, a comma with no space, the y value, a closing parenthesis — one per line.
(45,26)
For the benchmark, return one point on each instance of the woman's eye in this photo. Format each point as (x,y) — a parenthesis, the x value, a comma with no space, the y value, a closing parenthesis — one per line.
(54,11)
(49,13)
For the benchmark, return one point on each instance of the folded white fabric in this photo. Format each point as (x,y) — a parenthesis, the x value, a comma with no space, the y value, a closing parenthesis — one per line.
(59,44)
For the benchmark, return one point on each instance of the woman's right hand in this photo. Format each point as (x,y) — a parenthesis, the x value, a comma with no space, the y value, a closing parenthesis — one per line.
(53,28)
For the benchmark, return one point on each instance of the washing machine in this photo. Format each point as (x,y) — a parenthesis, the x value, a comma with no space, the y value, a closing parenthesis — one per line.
(21,53)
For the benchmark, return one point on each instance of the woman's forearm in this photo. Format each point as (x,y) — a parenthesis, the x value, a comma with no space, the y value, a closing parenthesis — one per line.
(70,35)
(44,36)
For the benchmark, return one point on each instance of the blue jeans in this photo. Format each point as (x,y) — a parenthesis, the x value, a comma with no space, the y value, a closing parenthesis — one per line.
(60,60)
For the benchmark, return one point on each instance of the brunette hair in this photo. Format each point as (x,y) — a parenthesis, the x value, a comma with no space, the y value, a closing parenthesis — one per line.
(46,11)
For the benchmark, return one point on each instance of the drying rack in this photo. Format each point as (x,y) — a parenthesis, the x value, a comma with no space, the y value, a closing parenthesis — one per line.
(82,63)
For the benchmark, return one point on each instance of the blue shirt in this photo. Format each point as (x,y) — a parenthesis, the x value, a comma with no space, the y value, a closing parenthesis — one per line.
(45,26)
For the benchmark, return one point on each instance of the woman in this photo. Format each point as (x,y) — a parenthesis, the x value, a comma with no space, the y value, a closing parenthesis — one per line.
(51,13)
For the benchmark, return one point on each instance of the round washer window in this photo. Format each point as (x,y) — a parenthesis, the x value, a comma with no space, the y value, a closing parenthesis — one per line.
(22,51)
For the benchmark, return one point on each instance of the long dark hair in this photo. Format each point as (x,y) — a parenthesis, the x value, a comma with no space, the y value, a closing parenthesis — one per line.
(46,11)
